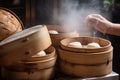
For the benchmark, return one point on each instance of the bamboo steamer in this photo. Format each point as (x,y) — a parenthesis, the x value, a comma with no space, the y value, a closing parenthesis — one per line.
(38,75)
(24,44)
(9,23)
(62,33)
(86,62)
(40,69)
(105,44)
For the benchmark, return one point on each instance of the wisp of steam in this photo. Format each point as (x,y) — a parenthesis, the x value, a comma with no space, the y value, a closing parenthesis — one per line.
(72,14)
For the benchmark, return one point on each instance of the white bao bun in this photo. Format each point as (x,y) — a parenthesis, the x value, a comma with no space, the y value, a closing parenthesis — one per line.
(75,45)
(93,45)
(53,32)
(41,53)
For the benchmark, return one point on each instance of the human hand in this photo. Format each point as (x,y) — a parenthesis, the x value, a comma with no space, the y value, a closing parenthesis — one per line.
(98,22)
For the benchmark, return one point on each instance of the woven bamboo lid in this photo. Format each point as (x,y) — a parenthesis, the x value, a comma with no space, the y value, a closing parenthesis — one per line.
(9,23)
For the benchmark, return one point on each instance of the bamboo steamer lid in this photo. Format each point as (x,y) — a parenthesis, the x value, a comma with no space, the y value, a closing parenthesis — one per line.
(24,44)
(9,23)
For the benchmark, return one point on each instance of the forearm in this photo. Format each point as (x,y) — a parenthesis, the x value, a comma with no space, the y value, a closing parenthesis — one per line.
(114,29)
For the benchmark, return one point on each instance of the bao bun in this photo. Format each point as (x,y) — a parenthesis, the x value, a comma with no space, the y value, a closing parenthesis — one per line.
(75,45)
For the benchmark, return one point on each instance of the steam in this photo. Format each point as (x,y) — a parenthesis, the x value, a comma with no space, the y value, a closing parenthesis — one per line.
(72,14)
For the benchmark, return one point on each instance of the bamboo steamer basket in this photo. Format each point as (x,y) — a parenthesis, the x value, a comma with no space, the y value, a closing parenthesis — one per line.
(62,33)
(9,23)
(40,69)
(24,44)
(86,62)
(105,44)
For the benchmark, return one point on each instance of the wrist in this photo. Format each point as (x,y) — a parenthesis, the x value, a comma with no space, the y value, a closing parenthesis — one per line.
(109,28)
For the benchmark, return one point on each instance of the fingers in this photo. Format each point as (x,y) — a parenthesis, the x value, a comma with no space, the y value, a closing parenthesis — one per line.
(98,22)
(92,19)
(95,18)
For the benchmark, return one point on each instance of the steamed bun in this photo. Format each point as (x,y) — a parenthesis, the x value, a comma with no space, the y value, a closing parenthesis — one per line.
(41,53)
(93,45)
(53,32)
(75,45)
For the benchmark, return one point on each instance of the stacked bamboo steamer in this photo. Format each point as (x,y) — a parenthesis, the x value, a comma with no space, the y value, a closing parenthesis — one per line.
(27,44)
(18,55)
(86,62)
(34,68)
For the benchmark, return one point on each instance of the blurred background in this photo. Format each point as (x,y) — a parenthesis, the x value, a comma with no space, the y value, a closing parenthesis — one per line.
(33,12)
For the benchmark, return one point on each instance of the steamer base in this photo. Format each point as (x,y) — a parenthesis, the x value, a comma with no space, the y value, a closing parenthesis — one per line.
(112,76)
